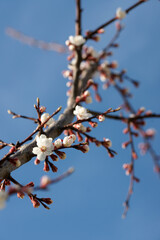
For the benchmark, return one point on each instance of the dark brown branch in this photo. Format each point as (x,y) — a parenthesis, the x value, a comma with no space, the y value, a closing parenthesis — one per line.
(130,119)
(113,19)
(78,17)
(15,115)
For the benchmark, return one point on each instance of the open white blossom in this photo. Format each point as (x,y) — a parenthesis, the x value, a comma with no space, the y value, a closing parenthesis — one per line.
(120,14)
(81,113)
(101,118)
(45,147)
(3,198)
(77,40)
(44,117)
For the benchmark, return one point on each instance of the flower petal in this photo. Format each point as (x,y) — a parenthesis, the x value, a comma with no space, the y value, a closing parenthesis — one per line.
(36,150)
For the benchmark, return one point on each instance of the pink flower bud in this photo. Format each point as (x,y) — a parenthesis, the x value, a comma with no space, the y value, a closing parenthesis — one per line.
(134,155)
(20,195)
(61,155)
(45,180)
(42,109)
(46,167)
(54,157)
(93,124)
(37,161)
(101,30)
(47,200)
(12,149)
(97,97)
(125,144)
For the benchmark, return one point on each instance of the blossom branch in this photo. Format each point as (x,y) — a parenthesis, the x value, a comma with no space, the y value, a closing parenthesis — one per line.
(15,115)
(91,33)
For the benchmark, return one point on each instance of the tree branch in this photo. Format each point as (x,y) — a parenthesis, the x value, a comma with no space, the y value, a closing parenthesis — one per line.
(91,33)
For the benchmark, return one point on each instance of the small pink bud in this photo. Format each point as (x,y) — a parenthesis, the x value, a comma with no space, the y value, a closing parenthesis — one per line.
(53,167)
(54,157)
(134,155)
(45,180)
(42,109)
(125,131)
(136,179)
(101,30)
(80,138)
(118,26)
(47,200)
(46,167)
(125,144)
(12,149)
(114,64)
(98,98)
(61,155)
(35,203)
(20,195)
(93,124)
(96,38)
(37,161)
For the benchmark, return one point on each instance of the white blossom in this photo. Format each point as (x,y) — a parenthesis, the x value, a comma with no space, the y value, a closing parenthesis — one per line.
(68,140)
(81,113)
(58,143)
(45,180)
(101,118)
(45,147)
(80,127)
(73,136)
(44,117)
(120,14)
(3,198)
(77,40)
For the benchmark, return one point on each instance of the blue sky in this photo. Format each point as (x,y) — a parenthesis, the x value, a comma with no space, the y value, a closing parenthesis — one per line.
(88,204)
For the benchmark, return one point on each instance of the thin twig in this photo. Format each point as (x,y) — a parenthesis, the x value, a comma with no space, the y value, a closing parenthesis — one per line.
(49,46)
(91,33)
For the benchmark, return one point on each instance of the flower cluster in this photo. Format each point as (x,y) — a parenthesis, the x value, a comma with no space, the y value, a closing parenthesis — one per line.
(75,41)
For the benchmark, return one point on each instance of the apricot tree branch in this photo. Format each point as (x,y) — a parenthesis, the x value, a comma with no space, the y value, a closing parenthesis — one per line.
(49,46)
(91,33)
